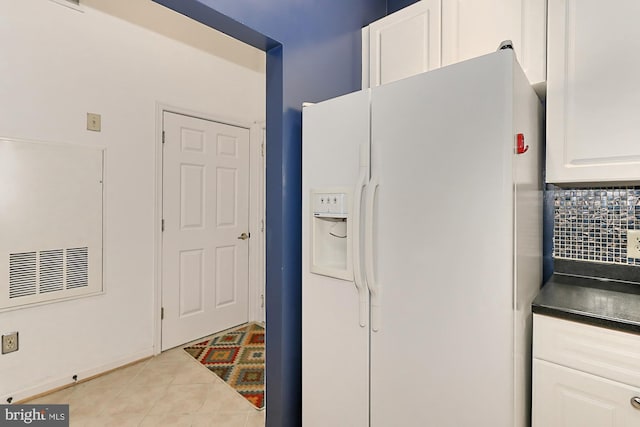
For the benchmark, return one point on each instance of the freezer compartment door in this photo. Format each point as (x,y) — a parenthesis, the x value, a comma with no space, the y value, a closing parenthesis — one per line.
(335,341)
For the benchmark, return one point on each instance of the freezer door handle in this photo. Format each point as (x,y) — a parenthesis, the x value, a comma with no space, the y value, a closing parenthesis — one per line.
(359,281)
(374,286)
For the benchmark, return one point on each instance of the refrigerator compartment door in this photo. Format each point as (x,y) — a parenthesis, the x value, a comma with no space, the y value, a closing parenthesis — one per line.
(442,147)
(331,234)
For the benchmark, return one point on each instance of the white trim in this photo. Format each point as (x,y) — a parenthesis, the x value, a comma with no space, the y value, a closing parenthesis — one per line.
(67,379)
(157,233)
(257,227)
(365,57)
(98,146)
(205,116)
(69,4)
(103,288)
(253,191)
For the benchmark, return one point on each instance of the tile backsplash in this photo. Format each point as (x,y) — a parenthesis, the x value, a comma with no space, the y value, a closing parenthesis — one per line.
(590,224)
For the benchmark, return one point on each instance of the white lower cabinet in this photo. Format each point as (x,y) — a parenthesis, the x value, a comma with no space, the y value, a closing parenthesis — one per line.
(584,376)
(565,397)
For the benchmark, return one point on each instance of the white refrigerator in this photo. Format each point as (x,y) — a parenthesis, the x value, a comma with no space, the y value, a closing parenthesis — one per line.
(421,249)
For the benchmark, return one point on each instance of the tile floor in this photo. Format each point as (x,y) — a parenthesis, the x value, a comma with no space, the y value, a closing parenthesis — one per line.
(171,389)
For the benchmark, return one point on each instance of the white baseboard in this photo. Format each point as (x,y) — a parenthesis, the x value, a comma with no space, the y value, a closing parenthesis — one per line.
(64,380)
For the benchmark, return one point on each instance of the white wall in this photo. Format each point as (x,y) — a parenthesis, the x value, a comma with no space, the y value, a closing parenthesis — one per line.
(57,64)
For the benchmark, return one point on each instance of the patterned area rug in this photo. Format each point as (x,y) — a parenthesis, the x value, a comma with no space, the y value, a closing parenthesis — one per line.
(236,356)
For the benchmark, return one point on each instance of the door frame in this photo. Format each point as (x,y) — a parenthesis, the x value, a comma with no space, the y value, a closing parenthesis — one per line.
(257,222)
(257,217)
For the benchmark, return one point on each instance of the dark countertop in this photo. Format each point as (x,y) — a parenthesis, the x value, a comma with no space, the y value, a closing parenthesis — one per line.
(599,301)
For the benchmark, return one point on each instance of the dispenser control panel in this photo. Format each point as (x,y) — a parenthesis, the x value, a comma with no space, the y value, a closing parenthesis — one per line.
(330,205)
(331,233)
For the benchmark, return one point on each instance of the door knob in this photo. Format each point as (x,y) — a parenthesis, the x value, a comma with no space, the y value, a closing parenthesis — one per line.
(244,236)
(635,402)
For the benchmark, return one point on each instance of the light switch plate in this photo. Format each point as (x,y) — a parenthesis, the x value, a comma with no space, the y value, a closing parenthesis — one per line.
(94,122)
(633,244)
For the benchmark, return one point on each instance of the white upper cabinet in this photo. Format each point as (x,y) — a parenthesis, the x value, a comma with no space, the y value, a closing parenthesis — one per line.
(402,44)
(432,33)
(473,28)
(593,91)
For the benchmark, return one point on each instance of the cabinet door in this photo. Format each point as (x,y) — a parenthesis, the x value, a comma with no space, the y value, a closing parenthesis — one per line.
(564,397)
(472,28)
(593,107)
(405,43)
(603,352)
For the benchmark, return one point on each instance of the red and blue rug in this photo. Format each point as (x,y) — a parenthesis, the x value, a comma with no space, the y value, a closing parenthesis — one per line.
(236,356)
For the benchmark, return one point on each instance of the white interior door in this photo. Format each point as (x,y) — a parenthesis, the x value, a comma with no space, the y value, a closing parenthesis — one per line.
(205,212)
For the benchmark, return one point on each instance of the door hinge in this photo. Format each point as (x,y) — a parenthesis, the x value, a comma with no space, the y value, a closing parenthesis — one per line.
(262,149)
(163,137)
(262,225)
(262,301)
(162,313)
(162,224)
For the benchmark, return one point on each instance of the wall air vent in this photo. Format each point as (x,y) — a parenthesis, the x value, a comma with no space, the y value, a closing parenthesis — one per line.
(51,216)
(77,267)
(22,274)
(58,270)
(51,271)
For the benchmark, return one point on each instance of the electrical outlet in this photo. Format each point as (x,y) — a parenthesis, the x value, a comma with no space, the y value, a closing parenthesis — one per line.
(633,244)
(10,343)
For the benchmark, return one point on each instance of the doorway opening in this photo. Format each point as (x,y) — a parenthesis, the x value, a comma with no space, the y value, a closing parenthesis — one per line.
(212,247)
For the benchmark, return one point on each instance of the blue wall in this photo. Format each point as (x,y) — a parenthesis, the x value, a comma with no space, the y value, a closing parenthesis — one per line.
(395,5)
(313,53)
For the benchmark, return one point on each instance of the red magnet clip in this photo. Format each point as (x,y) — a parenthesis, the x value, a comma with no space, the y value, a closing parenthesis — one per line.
(521,147)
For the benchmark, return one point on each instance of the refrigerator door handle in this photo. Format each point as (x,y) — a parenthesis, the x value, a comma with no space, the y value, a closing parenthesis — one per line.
(374,287)
(359,281)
